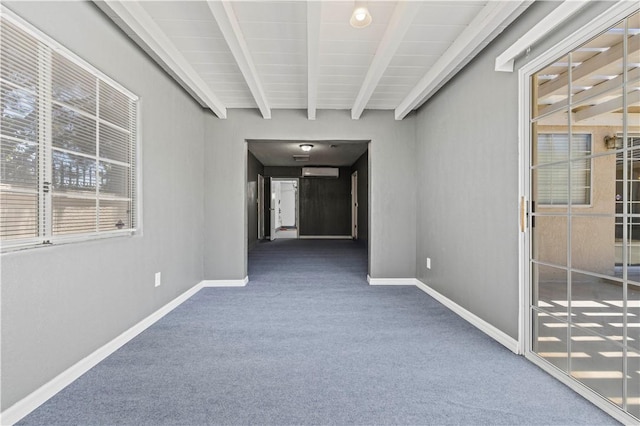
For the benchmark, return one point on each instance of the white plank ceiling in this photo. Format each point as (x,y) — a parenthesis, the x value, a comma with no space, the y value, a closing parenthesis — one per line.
(305,55)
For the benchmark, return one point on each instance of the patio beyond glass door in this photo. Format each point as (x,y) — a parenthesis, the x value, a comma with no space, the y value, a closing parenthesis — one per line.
(584,234)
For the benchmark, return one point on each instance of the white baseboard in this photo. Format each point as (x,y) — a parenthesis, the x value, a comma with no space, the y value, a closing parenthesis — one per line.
(225,283)
(391,281)
(493,332)
(32,401)
(325,237)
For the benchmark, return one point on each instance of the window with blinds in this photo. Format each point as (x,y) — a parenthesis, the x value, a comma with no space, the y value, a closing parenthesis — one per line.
(553,186)
(67,144)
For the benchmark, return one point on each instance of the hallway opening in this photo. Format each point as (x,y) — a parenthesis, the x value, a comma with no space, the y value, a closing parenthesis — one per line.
(311,195)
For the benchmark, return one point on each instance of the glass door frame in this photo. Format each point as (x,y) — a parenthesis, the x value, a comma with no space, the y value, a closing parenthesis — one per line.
(602,22)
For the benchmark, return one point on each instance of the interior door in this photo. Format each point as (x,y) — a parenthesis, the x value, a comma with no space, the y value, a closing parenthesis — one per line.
(272,210)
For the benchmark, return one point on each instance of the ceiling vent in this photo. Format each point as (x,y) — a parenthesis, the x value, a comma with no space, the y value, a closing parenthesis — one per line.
(301,157)
(325,172)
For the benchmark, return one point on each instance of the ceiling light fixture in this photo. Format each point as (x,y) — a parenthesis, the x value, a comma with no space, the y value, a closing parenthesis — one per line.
(360,17)
(306,147)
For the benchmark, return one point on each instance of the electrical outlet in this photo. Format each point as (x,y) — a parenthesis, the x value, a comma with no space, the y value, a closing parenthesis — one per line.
(428,263)
(158,279)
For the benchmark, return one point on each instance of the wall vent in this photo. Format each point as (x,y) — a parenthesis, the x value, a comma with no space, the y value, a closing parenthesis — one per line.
(301,157)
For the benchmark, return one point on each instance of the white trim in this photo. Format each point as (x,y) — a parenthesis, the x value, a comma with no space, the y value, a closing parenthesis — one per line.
(504,61)
(47,47)
(523,186)
(32,401)
(490,330)
(586,392)
(391,281)
(137,194)
(224,283)
(325,237)
(615,13)
(36,398)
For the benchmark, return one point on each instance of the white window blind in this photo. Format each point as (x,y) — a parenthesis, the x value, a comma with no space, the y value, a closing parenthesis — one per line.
(553,173)
(67,142)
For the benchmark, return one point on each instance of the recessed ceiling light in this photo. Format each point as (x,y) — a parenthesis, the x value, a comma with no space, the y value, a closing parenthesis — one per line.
(360,17)
(306,147)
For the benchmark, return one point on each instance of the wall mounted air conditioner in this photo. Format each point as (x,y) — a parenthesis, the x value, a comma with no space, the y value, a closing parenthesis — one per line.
(325,172)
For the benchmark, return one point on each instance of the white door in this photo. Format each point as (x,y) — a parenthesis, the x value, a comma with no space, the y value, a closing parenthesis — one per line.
(354,205)
(272,210)
(288,204)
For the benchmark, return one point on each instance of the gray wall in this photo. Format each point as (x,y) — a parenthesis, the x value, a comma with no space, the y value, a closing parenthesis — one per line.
(61,303)
(254,167)
(467,199)
(362,167)
(392,183)
(442,184)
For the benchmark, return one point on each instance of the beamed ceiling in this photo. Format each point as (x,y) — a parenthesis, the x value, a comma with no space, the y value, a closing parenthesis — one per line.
(305,55)
(299,54)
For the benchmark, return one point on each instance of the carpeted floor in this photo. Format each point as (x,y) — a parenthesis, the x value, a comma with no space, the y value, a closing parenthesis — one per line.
(312,343)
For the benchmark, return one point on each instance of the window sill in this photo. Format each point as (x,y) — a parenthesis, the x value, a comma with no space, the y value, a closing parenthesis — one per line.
(66,240)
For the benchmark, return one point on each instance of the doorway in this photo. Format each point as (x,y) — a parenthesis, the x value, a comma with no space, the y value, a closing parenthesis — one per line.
(580,171)
(284,208)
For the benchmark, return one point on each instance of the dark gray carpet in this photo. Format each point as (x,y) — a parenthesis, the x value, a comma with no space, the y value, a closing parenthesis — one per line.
(309,342)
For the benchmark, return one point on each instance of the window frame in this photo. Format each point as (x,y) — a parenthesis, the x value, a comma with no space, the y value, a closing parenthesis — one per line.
(600,23)
(47,145)
(569,160)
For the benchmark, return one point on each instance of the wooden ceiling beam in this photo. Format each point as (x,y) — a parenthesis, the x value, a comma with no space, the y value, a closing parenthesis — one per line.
(490,22)
(633,76)
(314,16)
(399,24)
(224,15)
(633,99)
(609,119)
(141,27)
(590,66)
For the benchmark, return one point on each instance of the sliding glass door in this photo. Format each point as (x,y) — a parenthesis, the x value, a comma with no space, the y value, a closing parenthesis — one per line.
(584,239)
